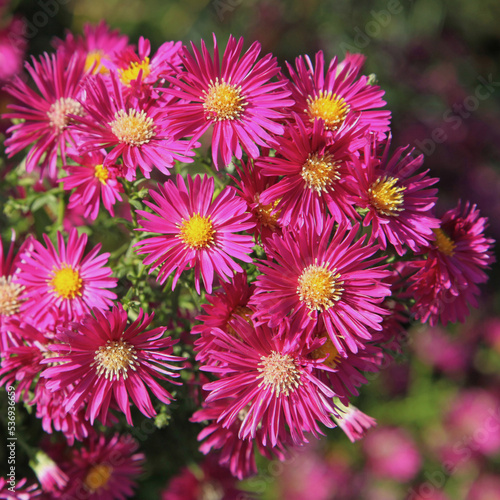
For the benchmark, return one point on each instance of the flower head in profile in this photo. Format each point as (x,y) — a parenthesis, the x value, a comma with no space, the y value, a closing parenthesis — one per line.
(104,468)
(110,362)
(133,130)
(45,115)
(336,94)
(396,197)
(62,283)
(21,491)
(446,278)
(331,278)
(195,231)
(92,182)
(235,97)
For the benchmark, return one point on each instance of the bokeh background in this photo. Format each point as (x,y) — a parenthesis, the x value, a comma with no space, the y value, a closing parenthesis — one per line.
(438,404)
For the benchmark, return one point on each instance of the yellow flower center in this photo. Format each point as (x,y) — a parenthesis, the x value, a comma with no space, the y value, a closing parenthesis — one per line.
(94,57)
(223,101)
(444,243)
(329,107)
(9,296)
(327,349)
(66,282)
(197,232)
(97,477)
(319,172)
(280,372)
(101,173)
(319,287)
(115,359)
(134,128)
(131,73)
(386,197)
(59,111)
(267,214)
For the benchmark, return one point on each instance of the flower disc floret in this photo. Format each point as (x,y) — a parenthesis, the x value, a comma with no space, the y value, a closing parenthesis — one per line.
(280,372)
(319,287)
(329,107)
(115,359)
(59,112)
(443,242)
(101,173)
(197,232)
(328,351)
(223,101)
(133,127)
(97,477)
(9,296)
(66,282)
(320,171)
(131,73)
(386,196)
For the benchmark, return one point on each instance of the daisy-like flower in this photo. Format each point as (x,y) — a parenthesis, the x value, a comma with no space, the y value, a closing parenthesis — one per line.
(46,114)
(110,362)
(334,95)
(446,280)
(104,469)
(195,231)
(134,129)
(63,283)
(316,177)
(397,199)
(329,277)
(51,477)
(270,381)
(99,44)
(92,181)
(234,96)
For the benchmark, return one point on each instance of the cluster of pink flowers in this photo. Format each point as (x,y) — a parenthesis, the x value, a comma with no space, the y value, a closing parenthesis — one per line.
(337,232)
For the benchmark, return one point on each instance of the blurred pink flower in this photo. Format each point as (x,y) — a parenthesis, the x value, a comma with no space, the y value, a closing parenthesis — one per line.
(391,453)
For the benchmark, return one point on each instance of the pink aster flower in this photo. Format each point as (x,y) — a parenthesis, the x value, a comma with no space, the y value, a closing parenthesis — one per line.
(336,94)
(109,362)
(104,469)
(51,477)
(392,453)
(93,181)
(195,231)
(397,199)
(134,129)
(331,278)
(46,114)
(63,283)
(234,96)
(268,383)
(445,282)
(99,44)
(315,174)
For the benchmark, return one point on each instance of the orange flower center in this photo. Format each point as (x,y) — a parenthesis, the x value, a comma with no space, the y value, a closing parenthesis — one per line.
(386,197)
(280,372)
(197,232)
(444,243)
(329,107)
(115,359)
(66,282)
(131,73)
(223,101)
(9,296)
(319,172)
